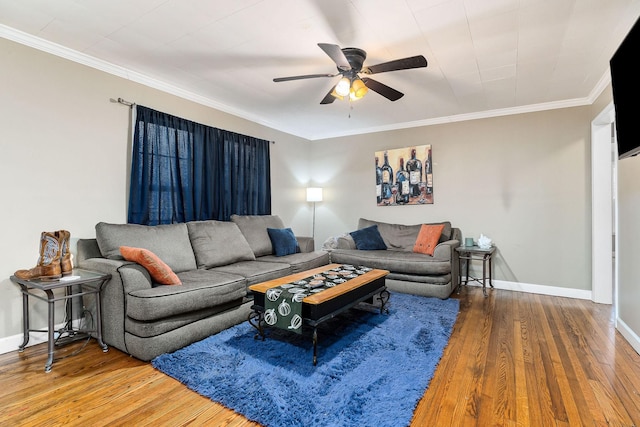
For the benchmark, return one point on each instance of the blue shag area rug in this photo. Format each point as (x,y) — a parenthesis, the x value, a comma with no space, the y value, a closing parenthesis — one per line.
(372,368)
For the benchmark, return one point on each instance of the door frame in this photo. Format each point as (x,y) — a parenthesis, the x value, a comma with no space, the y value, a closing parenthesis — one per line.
(603,207)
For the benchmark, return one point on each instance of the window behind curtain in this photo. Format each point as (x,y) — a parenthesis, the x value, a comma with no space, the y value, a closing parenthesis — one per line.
(185,171)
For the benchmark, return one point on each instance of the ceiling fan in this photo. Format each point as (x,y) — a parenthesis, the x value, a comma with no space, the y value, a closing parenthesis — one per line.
(349,61)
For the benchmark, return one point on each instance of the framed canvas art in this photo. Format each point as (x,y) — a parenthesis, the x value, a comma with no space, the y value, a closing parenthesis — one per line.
(404,176)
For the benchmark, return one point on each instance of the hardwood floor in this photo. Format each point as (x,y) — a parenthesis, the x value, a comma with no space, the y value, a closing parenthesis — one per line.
(513,359)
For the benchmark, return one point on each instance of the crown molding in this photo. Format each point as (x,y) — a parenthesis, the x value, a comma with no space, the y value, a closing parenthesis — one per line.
(125,73)
(464,117)
(122,72)
(602,84)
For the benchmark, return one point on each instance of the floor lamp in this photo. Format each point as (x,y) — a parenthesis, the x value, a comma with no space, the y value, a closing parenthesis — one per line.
(314,194)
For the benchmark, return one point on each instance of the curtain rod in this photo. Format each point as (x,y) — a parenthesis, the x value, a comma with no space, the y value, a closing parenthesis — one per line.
(131,104)
(123,102)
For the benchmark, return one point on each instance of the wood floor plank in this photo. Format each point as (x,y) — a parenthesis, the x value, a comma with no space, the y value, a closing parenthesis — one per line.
(566,409)
(578,360)
(500,385)
(513,359)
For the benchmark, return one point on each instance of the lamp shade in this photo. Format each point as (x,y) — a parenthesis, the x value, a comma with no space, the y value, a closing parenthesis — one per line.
(343,87)
(358,89)
(314,194)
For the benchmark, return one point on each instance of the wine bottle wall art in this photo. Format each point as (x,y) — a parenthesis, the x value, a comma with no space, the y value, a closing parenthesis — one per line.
(404,176)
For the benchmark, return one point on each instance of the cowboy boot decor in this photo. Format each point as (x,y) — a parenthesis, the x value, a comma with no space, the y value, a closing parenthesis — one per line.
(65,254)
(48,267)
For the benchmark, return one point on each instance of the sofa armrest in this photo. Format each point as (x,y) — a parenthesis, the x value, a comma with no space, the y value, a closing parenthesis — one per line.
(345,242)
(85,249)
(306,244)
(446,250)
(124,274)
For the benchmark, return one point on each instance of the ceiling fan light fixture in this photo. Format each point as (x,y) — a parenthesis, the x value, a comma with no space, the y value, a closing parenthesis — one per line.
(353,96)
(336,95)
(343,86)
(358,89)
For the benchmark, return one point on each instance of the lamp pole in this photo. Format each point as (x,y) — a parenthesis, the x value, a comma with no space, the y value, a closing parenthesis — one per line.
(313,229)
(314,194)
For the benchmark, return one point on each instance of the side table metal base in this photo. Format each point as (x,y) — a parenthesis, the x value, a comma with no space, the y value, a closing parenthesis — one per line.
(81,282)
(475,253)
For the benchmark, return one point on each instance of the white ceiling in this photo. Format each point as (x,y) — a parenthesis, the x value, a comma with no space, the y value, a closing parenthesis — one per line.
(486,57)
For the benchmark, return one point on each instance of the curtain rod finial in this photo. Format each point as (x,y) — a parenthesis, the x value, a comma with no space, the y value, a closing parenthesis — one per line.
(123,102)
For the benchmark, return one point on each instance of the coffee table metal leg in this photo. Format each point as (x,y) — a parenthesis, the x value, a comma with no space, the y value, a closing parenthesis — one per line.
(315,346)
(256,319)
(383,297)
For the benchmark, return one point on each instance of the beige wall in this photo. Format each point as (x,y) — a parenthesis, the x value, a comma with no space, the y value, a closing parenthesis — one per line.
(64,159)
(523,180)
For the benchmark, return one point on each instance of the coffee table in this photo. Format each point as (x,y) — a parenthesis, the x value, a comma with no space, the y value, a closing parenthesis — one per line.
(322,306)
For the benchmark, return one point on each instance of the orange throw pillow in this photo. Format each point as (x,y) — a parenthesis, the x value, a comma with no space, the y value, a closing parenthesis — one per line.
(428,238)
(159,271)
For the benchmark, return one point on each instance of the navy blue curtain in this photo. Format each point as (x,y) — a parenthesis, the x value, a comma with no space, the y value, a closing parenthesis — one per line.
(185,171)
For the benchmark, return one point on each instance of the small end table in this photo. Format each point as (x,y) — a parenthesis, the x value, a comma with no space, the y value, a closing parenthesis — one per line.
(81,282)
(475,253)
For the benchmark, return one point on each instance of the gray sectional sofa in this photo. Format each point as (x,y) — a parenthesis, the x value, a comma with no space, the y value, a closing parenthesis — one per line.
(410,272)
(216,261)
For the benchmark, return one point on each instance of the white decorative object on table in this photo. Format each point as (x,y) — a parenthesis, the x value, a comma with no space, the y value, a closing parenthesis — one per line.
(484,242)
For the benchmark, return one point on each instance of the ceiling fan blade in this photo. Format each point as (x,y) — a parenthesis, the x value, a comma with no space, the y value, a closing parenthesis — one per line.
(335,53)
(328,99)
(398,64)
(384,90)
(306,76)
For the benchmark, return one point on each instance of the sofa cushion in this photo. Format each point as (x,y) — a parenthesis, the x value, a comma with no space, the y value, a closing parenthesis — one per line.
(428,238)
(169,242)
(218,243)
(394,261)
(283,241)
(300,261)
(158,270)
(254,229)
(173,324)
(256,271)
(201,289)
(403,237)
(368,239)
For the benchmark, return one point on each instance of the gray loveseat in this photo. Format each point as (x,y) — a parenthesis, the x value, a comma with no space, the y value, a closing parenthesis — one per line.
(410,272)
(216,261)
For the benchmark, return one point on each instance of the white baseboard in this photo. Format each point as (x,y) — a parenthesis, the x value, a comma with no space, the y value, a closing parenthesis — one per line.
(538,289)
(628,334)
(9,344)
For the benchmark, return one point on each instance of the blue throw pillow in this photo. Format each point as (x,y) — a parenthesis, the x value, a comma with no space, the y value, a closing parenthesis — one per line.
(368,239)
(283,241)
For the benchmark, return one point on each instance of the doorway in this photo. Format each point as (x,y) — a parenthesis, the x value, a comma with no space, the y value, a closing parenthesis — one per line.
(603,207)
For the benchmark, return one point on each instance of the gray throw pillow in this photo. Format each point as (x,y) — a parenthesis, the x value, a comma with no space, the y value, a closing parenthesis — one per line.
(254,229)
(217,243)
